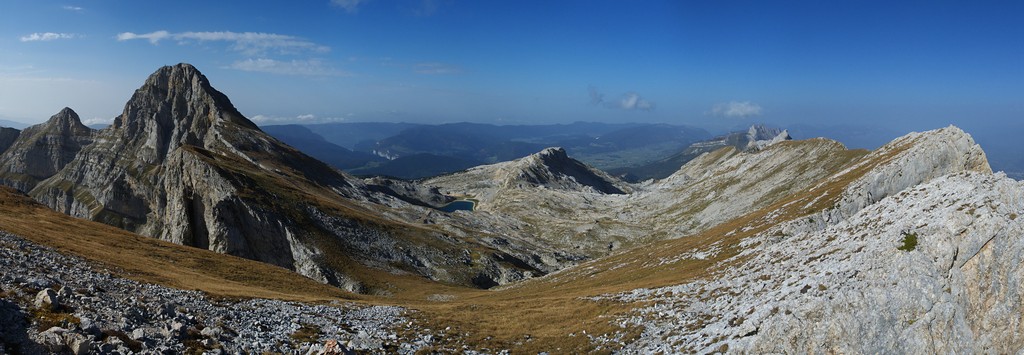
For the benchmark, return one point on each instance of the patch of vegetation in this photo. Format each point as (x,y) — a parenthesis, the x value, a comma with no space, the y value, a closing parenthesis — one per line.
(306,334)
(909,241)
(46,319)
(193,347)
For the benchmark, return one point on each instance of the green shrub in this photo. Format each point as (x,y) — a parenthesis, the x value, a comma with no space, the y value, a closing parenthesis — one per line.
(909,241)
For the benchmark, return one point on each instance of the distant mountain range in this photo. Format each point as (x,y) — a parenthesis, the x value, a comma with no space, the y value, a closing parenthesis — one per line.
(12,124)
(634,151)
(416,151)
(755,244)
(753,138)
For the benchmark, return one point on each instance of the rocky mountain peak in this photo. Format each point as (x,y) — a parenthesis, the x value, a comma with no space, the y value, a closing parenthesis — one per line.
(553,168)
(66,119)
(759,132)
(183,83)
(176,106)
(40,151)
(759,137)
(553,154)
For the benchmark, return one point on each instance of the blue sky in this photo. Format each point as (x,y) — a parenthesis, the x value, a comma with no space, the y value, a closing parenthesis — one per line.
(906,65)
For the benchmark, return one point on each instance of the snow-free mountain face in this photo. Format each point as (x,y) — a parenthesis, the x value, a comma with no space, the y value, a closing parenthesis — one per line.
(571,210)
(761,245)
(183,165)
(40,151)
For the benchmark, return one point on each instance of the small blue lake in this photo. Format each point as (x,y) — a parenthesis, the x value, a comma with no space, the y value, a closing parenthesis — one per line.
(459,205)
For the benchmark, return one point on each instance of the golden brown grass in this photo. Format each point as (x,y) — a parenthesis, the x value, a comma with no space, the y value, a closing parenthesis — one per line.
(155,261)
(536,315)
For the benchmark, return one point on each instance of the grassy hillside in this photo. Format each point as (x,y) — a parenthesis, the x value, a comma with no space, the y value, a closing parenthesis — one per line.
(536,315)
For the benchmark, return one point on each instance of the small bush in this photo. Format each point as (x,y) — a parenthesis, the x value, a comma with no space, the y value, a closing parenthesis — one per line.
(909,241)
(46,319)
(306,334)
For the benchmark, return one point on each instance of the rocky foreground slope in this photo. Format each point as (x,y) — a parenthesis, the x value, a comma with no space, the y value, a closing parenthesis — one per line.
(933,269)
(54,303)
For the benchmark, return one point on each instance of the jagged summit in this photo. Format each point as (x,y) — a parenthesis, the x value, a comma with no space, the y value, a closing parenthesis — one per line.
(553,168)
(67,119)
(760,132)
(182,82)
(759,137)
(40,151)
(557,152)
(176,106)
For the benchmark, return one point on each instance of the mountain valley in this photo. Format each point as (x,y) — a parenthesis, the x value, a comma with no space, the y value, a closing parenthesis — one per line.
(217,236)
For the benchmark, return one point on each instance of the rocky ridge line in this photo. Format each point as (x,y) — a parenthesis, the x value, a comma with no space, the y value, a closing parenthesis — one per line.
(798,281)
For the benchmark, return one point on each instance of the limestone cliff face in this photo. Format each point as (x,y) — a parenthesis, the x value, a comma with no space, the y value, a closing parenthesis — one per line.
(917,250)
(182,164)
(905,162)
(42,150)
(759,137)
(932,269)
(145,173)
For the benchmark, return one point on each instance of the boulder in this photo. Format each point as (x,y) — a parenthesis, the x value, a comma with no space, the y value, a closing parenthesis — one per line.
(53,339)
(79,344)
(47,300)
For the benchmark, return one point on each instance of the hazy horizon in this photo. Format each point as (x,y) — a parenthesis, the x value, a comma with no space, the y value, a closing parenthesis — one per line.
(716,65)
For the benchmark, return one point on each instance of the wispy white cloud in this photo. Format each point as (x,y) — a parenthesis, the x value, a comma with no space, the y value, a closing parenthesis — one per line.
(95,121)
(632,101)
(47,36)
(72,8)
(350,6)
(311,67)
(628,101)
(304,118)
(436,68)
(249,43)
(736,109)
(153,37)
